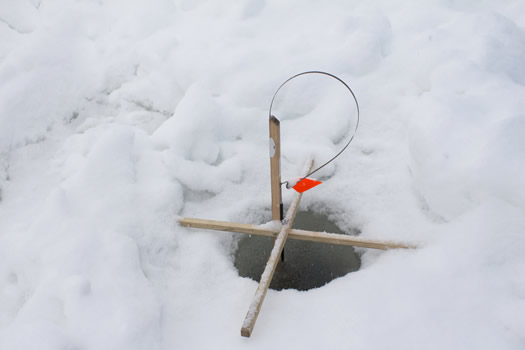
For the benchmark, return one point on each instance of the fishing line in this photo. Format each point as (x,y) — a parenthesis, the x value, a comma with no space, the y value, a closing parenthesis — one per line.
(356,125)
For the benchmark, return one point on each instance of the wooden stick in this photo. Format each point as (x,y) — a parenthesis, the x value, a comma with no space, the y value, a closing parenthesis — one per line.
(269,270)
(275,168)
(320,237)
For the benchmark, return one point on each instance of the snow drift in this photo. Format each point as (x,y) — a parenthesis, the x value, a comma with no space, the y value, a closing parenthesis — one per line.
(116,117)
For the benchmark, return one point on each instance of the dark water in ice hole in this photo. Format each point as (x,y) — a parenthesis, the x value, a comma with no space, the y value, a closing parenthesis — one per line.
(306,264)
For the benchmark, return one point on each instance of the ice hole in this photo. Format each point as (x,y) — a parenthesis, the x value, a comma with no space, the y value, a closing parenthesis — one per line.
(306,265)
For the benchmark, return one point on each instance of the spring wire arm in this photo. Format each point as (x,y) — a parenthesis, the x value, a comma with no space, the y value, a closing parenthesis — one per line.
(356,104)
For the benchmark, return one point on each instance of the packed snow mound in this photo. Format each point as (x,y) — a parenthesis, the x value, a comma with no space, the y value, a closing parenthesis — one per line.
(468,144)
(117,117)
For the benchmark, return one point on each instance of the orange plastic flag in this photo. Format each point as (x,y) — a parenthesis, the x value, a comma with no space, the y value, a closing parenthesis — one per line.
(306,184)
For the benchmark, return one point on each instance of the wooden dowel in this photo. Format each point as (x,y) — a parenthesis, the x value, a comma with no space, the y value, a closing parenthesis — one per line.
(269,270)
(320,237)
(275,168)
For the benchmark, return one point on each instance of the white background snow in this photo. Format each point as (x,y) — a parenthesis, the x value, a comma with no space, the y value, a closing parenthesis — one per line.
(117,117)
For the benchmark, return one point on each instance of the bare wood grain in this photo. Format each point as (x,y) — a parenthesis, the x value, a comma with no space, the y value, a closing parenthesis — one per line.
(275,168)
(320,237)
(269,270)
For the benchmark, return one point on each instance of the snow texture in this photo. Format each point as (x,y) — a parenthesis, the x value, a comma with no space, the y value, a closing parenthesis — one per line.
(117,117)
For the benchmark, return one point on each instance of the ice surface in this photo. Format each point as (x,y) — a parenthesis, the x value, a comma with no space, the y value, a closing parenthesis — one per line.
(118,116)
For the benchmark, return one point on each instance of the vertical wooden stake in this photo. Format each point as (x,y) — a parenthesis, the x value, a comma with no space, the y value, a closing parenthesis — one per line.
(275,168)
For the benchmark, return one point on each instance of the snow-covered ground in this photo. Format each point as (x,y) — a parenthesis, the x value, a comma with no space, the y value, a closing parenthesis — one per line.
(118,116)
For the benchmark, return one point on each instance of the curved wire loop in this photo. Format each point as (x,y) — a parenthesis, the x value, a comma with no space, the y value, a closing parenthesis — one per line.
(356,104)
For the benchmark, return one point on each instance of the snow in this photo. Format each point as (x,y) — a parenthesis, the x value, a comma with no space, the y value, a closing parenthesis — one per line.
(117,117)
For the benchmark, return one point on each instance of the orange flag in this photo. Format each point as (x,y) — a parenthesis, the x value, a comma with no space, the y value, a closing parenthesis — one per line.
(306,184)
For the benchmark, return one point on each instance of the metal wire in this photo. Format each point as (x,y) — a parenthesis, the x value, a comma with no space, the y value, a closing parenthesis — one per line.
(356,104)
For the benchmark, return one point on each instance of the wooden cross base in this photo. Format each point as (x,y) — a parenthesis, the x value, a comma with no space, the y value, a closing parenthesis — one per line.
(281,235)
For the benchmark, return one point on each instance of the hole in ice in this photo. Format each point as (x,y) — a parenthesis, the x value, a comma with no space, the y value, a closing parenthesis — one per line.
(306,265)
